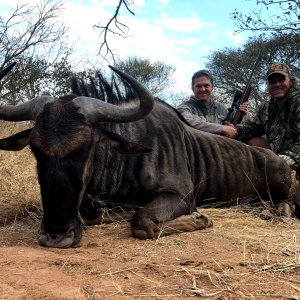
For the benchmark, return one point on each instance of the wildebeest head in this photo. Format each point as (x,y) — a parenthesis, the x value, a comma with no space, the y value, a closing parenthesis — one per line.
(63,141)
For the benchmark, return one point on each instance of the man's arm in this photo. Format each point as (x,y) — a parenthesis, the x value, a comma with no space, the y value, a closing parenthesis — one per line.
(292,153)
(199,122)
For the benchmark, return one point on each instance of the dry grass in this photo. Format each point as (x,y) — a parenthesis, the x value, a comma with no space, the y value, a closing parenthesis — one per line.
(19,190)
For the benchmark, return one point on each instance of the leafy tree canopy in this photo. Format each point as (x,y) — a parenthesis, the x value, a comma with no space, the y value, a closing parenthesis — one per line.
(156,76)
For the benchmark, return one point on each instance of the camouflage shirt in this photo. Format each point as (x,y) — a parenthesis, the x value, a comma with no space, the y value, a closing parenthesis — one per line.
(280,123)
(202,117)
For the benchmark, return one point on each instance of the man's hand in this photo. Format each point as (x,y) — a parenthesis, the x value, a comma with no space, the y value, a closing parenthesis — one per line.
(229,130)
(244,107)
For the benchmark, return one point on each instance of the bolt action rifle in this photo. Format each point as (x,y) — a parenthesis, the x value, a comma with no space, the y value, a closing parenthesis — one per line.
(234,116)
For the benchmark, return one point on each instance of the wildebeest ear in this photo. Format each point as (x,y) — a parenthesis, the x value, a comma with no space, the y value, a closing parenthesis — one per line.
(120,144)
(16,142)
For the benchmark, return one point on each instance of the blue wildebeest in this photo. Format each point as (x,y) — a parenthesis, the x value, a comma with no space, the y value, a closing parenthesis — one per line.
(140,153)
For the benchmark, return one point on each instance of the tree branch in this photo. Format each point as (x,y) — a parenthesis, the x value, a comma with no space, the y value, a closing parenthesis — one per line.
(287,20)
(30,27)
(121,30)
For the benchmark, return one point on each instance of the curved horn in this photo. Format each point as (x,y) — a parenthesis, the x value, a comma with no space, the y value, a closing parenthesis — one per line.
(96,109)
(6,70)
(25,111)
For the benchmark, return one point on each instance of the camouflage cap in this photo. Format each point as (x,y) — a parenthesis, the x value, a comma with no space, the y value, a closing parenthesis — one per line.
(279,69)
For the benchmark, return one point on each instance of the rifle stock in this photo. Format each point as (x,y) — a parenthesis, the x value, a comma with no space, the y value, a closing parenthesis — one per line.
(237,115)
(234,115)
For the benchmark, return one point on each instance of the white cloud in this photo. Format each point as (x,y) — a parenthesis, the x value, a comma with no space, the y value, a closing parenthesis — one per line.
(144,40)
(113,3)
(188,42)
(237,38)
(161,4)
(182,24)
(206,48)
(139,3)
(152,42)
(214,35)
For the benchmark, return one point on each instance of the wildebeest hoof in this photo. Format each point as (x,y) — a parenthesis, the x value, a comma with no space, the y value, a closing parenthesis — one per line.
(195,214)
(57,241)
(145,232)
(144,225)
(285,209)
(141,234)
(143,228)
(205,220)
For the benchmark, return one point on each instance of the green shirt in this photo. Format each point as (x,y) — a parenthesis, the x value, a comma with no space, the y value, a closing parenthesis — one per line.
(202,117)
(280,123)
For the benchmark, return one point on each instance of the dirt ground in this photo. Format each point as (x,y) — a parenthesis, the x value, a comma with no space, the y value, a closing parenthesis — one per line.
(241,257)
(247,254)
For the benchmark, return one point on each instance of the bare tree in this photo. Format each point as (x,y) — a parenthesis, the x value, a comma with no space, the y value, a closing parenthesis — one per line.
(31,34)
(113,27)
(280,16)
(31,28)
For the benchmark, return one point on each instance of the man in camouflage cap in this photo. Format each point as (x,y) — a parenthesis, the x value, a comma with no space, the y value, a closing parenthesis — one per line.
(276,124)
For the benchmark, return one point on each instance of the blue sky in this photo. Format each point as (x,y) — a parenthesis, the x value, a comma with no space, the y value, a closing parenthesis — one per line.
(178,32)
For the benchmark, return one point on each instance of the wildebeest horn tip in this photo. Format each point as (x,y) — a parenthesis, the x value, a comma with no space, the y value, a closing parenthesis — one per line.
(114,69)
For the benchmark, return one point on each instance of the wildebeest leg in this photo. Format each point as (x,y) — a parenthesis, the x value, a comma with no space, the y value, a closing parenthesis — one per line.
(185,223)
(93,211)
(110,217)
(167,214)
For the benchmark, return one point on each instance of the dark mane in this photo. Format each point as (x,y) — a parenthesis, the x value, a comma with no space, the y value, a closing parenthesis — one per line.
(116,92)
